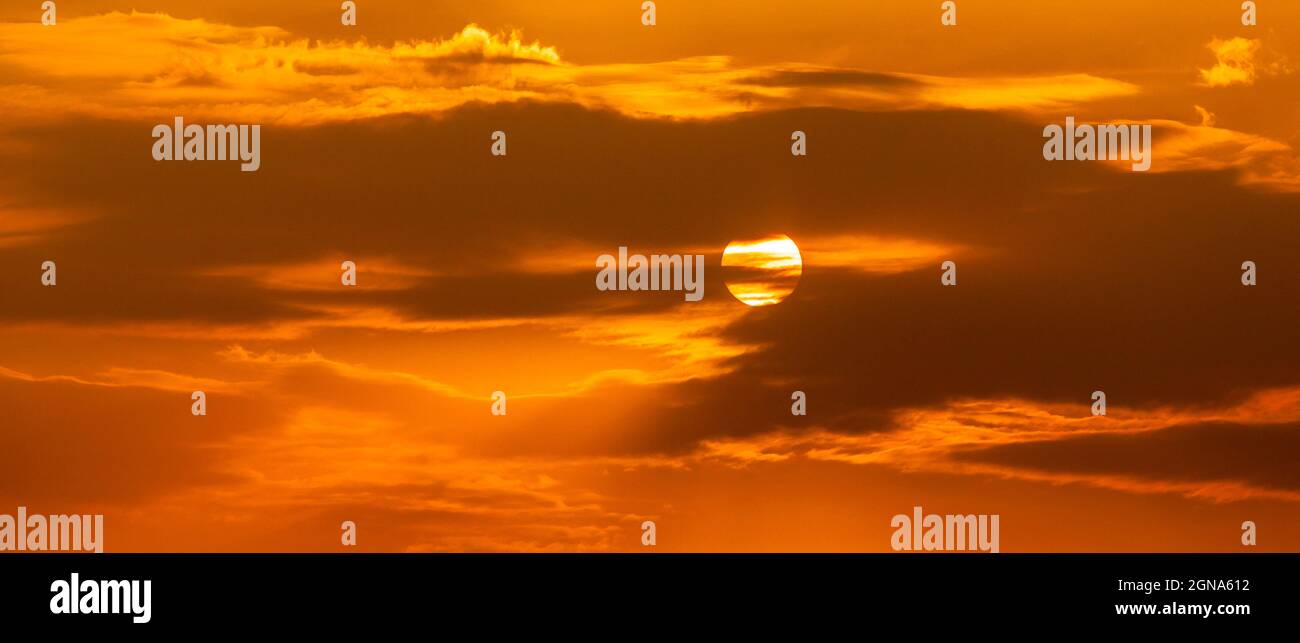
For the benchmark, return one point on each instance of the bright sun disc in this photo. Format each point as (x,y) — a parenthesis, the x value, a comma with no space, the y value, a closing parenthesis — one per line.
(762,272)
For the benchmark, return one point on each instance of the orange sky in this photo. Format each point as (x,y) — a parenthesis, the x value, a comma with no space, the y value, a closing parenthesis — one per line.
(372,403)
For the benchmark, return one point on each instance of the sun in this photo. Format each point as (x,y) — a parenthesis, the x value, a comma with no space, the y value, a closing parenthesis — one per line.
(764,271)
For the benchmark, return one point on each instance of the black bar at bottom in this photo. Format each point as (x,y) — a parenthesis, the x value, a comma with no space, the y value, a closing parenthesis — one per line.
(651,590)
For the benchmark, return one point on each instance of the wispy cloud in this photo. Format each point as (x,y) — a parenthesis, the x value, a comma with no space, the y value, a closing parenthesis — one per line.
(208,70)
(1260,161)
(970,436)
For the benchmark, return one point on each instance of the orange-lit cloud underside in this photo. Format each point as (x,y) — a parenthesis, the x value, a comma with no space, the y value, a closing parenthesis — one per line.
(372,403)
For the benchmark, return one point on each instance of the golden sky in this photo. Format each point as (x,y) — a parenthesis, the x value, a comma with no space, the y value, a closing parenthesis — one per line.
(475,274)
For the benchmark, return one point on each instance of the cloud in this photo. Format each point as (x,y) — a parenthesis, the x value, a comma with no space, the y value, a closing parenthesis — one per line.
(874,254)
(264,75)
(208,70)
(1259,161)
(1241,61)
(1235,62)
(1207,117)
(28,225)
(1224,454)
(92,448)
(315,440)
(324,274)
(1222,461)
